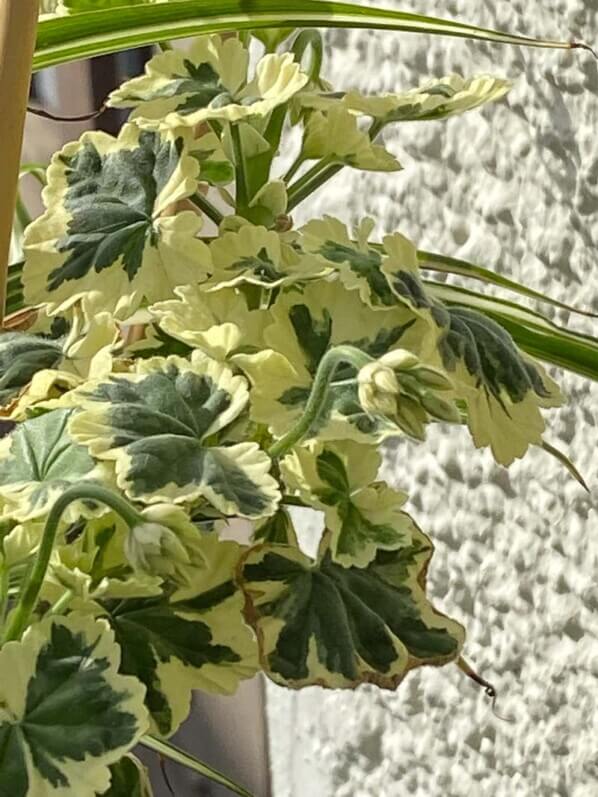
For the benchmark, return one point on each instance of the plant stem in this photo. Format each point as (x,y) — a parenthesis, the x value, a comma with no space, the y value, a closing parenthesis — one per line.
(63,601)
(312,173)
(30,594)
(295,166)
(22,214)
(168,750)
(300,192)
(4,587)
(204,204)
(241,176)
(319,394)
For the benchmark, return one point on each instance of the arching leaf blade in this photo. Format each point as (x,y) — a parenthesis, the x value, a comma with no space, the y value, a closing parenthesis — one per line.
(432,261)
(91,33)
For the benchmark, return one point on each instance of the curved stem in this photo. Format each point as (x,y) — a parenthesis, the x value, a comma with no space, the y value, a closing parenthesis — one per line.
(30,594)
(319,393)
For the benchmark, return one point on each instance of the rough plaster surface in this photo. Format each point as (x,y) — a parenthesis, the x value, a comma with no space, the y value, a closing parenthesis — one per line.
(515,188)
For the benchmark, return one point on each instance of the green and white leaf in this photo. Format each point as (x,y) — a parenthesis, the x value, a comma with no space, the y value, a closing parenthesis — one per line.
(196,639)
(361,516)
(39,460)
(219,323)
(257,256)
(306,324)
(209,83)
(384,276)
(435,99)
(107,233)
(276,530)
(22,355)
(66,714)
(319,623)
(129,778)
(336,135)
(154,423)
(504,388)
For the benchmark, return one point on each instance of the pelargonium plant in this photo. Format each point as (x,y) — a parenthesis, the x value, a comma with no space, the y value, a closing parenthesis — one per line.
(191,358)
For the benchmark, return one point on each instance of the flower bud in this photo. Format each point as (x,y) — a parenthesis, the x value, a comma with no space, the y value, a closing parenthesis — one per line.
(432,377)
(399,360)
(439,408)
(412,418)
(154,549)
(378,388)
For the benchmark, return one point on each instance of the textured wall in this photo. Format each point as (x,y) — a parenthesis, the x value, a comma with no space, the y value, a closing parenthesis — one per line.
(515,188)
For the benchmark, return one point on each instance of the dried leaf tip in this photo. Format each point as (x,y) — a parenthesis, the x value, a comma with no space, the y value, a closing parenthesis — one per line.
(584,46)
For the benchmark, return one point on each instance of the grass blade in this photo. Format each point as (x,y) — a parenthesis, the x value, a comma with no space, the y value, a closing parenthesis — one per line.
(92,33)
(432,261)
(179,756)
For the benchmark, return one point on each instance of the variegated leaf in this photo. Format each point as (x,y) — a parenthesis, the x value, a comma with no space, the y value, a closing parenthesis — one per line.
(66,714)
(257,256)
(196,639)
(319,623)
(361,515)
(219,323)
(22,355)
(209,82)
(306,324)
(108,202)
(504,388)
(436,99)
(129,778)
(39,460)
(383,276)
(154,424)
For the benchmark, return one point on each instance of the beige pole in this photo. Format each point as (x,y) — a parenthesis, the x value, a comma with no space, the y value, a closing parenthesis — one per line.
(18,22)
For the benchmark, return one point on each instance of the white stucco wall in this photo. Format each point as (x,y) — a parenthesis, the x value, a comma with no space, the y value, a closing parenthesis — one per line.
(514,188)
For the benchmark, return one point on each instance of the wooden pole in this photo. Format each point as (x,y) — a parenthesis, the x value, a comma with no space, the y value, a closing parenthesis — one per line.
(18,23)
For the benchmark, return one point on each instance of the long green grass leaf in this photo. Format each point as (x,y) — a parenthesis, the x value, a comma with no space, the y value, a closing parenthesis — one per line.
(532,331)
(450,265)
(92,33)
(177,755)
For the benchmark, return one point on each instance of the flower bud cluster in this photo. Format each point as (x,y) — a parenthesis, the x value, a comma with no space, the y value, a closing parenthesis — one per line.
(400,387)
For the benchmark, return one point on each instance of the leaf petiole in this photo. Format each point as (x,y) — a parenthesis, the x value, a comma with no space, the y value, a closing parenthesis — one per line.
(30,594)
(316,402)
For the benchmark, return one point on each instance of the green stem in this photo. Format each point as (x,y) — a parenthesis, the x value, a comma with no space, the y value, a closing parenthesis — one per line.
(295,166)
(165,46)
(300,192)
(23,215)
(203,203)
(30,594)
(63,601)
(312,173)
(240,170)
(319,393)
(4,587)
(170,751)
